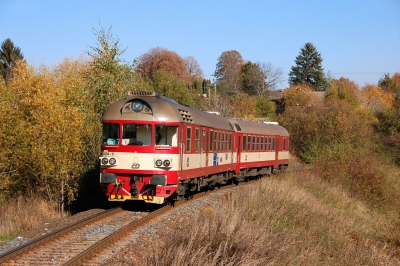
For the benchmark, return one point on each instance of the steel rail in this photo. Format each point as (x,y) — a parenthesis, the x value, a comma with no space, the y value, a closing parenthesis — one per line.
(88,254)
(13,253)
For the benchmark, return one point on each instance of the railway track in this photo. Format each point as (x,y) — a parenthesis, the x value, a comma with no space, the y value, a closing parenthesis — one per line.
(58,247)
(84,242)
(87,241)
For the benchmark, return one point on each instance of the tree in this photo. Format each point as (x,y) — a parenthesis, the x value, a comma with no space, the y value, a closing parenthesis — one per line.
(390,84)
(162,59)
(47,128)
(308,69)
(374,99)
(193,67)
(227,72)
(172,87)
(259,78)
(253,79)
(9,56)
(343,89)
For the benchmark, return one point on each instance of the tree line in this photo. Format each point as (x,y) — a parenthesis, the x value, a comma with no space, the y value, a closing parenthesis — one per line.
(51,128)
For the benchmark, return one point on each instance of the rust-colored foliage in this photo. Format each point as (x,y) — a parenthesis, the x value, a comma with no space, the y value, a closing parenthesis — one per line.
(162,59)
(375,99)
(300,96)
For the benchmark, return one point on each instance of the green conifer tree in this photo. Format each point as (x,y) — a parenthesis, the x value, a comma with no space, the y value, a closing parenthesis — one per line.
(9,55)
(308,69)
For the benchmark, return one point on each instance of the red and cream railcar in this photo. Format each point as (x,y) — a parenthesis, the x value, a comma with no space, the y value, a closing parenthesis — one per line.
(154,148)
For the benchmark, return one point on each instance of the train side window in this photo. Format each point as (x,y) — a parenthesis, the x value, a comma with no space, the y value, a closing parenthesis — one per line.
(188,138)
(215,140)
(254,143)
(211,140)
(262,143)
(248,143)
(244,143)
(219,141)
(258,143)
(197,140)
(226,141)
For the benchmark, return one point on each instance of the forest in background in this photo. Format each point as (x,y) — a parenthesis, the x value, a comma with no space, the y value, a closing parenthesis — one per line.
(51,118)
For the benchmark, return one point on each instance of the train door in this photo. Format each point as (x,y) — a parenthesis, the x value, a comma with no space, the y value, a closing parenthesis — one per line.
(238,152)
(181,146)
(276,150)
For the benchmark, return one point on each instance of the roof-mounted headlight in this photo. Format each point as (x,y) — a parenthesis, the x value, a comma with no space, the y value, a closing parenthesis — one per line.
(137,106)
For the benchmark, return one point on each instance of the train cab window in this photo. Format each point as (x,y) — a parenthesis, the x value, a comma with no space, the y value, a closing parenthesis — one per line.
(188,138)
(284,144)
(166,135)
(110,133)
(136,134)
(244,143)
(248,143)
(211,141)
(197,140)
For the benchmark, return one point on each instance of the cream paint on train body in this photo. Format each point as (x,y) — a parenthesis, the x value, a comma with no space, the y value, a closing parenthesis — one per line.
(146,161)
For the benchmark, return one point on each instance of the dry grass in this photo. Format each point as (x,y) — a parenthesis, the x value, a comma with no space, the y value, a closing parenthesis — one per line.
(292,219)
(23,214)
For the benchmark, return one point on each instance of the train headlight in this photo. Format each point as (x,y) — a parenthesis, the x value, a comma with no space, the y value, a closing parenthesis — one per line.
(104,161)
(137,106)
(158,162)
(167,163)
(112,161)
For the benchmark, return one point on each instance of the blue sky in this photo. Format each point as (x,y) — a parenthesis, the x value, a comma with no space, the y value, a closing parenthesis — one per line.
(359,40)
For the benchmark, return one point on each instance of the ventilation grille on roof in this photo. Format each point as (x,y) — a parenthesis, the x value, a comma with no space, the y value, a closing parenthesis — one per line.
(186,116)
(142,93)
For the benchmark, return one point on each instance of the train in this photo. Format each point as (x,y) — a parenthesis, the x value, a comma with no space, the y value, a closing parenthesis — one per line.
(155,150)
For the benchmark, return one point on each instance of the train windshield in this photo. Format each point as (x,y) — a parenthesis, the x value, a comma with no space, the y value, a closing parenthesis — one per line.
(166,135)
(110,133)
(136,134)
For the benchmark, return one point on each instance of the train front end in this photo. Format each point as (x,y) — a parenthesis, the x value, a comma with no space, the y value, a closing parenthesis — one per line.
(140,153)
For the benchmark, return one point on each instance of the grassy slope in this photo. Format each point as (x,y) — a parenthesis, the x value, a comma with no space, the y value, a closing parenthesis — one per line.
(290,219)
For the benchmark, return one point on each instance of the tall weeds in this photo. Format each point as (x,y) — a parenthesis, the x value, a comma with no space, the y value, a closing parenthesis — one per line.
(22,214)
(293,220)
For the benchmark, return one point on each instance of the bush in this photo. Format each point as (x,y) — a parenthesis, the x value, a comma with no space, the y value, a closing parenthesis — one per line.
(358,169)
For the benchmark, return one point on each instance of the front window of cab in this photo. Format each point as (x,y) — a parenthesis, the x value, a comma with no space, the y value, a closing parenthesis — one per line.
(110,134)
(136,134)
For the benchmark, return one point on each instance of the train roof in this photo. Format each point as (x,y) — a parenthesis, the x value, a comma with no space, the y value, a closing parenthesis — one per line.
(163,109)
